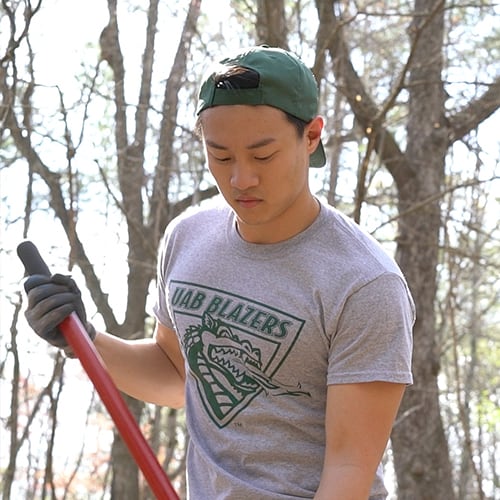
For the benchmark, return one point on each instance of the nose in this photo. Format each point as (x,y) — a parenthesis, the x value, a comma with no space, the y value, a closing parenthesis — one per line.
(243,176)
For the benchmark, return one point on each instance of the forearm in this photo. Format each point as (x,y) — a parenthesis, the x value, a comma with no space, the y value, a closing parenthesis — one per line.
(358,423)
(141,369)
(345,482)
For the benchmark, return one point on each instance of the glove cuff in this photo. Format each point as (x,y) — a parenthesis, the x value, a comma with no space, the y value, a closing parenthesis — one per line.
(91,331)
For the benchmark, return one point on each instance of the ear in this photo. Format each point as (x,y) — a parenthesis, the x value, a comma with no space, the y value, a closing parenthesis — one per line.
(313,133)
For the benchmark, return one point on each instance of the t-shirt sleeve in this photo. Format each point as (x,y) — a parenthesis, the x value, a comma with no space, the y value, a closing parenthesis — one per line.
(160,308)
(373,340)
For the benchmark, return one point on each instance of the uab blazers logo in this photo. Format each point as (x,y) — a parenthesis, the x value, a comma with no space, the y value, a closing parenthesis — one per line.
(234,348)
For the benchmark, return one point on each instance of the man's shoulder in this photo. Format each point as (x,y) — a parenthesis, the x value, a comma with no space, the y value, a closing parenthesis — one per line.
(354,244)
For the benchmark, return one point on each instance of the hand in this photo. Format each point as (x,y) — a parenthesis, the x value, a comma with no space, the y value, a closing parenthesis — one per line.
(51,299)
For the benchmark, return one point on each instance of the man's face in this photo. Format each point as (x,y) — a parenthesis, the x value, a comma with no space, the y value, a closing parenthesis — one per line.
(261,167)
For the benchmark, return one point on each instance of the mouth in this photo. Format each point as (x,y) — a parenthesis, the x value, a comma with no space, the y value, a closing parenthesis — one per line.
(248,201)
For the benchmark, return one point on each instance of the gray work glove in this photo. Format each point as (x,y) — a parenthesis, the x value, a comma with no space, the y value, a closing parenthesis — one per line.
(51,299)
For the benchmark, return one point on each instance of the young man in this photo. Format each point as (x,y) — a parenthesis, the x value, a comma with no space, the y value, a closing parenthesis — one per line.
(283,328)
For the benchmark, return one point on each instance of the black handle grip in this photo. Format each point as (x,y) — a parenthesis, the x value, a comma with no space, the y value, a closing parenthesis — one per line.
(31,258)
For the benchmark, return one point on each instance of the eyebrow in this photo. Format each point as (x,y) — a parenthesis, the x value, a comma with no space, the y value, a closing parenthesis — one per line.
(255,145)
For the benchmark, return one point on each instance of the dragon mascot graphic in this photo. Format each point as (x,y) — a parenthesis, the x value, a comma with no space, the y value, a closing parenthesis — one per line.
(228,369)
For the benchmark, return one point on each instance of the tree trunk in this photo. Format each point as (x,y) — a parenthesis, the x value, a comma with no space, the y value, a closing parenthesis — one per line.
(419,443)
(271,25)
(420,447)
(125,480)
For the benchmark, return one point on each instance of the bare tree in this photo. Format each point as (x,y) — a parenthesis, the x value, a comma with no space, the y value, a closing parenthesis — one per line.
(466,302)
(145,218)
(419,442)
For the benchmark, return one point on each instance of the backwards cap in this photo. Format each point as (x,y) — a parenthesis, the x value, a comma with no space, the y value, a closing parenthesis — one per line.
(283,82)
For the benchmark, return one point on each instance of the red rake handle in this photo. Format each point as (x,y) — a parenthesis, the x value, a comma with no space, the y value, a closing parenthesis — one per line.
(84,349)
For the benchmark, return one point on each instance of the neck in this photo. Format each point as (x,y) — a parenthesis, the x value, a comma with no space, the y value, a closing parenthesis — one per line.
(282,227)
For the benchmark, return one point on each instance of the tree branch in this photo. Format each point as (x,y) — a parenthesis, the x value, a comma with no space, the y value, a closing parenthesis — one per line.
(478,110)
(159,213)
(368,114)
(57,203)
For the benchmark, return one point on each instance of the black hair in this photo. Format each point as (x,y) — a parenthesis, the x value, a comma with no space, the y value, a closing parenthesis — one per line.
(237,77)
(300,125)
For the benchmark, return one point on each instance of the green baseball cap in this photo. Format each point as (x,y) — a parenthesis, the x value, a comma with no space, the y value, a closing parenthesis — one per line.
(283,81)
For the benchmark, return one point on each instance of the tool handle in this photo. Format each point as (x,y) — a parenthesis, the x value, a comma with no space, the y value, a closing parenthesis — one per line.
(31,258)
(76,336)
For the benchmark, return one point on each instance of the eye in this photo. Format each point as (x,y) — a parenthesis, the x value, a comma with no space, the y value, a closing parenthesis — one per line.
(264,157)
(218,158)
(221,160)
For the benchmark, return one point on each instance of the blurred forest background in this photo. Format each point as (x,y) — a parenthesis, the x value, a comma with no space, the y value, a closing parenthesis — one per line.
(97,155)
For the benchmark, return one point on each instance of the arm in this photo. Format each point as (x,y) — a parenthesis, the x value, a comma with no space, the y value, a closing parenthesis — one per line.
(358,422)
(151,370)
(148,369)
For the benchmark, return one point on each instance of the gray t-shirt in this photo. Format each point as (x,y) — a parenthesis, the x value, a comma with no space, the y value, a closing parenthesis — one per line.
(264,329)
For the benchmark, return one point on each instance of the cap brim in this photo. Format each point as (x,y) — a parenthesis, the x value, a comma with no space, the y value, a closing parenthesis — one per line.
(318,158)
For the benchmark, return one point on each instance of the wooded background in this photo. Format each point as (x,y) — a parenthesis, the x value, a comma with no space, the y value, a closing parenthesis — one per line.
(98,154)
